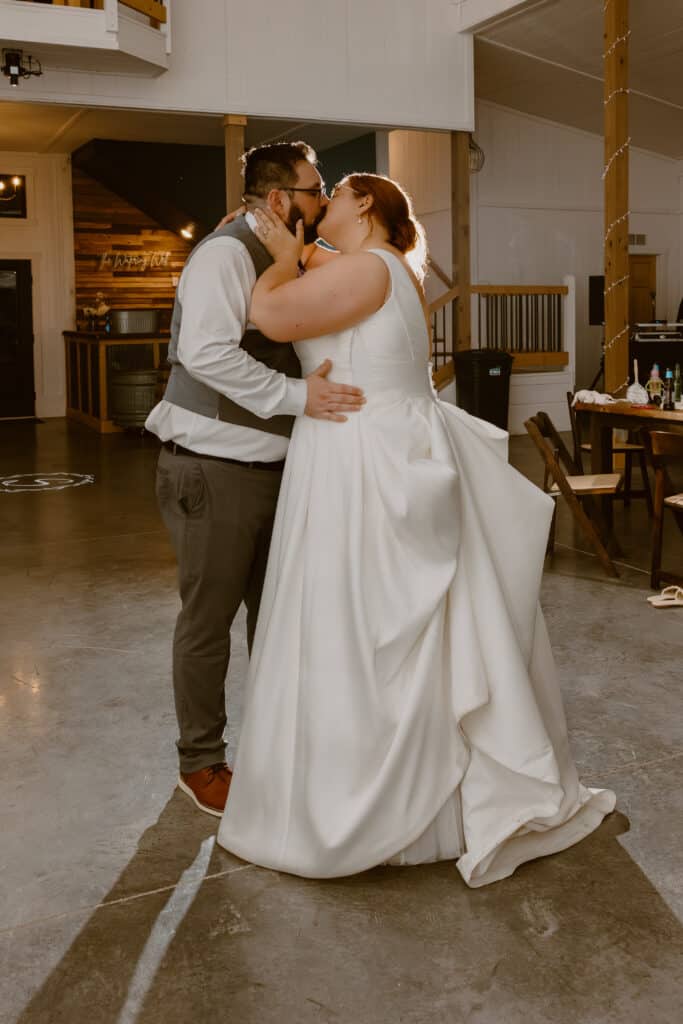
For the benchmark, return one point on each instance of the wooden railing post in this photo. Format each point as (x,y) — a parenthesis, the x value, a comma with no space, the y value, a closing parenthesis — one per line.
(460,214)
(233,127)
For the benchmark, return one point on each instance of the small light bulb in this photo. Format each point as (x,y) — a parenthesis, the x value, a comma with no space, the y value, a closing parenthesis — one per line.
(187,232)
(2,186)
(16,181)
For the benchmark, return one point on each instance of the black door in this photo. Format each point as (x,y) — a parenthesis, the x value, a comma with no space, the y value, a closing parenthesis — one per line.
(17,395)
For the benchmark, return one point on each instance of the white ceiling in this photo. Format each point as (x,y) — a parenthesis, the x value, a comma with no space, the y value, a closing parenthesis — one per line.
(47,128)
(547,61)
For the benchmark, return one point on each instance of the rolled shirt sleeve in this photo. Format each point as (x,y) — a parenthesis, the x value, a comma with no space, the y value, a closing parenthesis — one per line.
(215,292)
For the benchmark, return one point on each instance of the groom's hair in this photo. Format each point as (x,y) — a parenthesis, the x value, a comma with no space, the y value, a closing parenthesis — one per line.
(274,166)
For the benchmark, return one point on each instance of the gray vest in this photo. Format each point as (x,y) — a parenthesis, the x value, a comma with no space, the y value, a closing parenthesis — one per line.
(188,393)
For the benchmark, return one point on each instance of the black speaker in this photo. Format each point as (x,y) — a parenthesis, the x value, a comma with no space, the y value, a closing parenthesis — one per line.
(596,300)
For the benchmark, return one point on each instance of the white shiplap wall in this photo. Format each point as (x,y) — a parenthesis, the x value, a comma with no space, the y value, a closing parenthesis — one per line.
(537,214)
(537,218)
(46,238)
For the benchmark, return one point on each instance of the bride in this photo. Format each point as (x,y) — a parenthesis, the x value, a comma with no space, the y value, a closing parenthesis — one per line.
(403,703)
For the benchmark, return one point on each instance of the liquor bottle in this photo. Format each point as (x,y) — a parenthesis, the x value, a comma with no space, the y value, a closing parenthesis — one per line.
(668,396)
(654,386)
(677,383)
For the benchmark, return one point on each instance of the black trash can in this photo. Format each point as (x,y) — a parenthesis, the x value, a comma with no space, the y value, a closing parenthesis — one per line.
(482,384)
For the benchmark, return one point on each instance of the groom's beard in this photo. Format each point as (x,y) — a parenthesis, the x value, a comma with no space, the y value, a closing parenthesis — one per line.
(310,230)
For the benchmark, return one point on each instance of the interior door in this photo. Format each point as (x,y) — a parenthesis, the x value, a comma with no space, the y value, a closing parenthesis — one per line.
(643,288)
(17,393)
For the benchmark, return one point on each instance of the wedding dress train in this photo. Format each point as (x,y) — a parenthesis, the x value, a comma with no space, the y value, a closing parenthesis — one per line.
(403,703)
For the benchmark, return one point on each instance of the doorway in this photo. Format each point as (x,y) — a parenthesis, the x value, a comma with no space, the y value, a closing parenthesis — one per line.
(17,391)
(643,288)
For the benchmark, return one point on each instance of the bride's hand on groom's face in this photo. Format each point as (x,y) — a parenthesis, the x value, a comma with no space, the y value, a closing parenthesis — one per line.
(282,245)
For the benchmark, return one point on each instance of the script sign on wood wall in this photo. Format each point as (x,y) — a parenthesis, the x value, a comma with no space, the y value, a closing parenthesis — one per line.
(121,252)
(137,262)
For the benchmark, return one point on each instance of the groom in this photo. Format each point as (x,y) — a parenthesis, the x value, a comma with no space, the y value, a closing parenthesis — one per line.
(224,423)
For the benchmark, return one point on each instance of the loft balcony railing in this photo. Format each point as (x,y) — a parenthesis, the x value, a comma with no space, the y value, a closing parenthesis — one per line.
(152,9)
(125,36)
(534,323)
(526,320)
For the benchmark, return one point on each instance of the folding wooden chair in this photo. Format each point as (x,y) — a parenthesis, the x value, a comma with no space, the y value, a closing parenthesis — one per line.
(664,449)
(625,448)
(576,488)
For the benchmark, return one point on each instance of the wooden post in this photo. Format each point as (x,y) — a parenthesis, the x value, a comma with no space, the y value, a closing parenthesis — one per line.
(102,380)
(616,32)
(233,126)
(460,214)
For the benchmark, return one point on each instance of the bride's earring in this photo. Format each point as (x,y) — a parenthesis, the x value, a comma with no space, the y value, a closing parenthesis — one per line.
(360,220)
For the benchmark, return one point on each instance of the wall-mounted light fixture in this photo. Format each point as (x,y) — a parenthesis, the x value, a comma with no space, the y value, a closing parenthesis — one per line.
(16,66)
(12,195)
(9,187)
(476,157)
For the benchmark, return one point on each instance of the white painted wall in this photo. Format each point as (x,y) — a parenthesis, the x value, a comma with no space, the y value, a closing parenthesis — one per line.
(46,238)
(537,214)
(384,62)
(421,161)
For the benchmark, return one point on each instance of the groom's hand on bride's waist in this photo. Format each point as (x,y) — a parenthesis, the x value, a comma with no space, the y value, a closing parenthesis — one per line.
(328,401)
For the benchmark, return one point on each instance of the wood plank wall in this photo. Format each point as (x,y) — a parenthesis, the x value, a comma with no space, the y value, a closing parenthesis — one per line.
(105,223)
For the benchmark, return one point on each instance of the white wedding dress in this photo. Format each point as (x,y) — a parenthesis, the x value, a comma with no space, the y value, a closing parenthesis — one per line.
(403,704)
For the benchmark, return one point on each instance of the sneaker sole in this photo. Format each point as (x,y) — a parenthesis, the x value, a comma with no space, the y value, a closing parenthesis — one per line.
(202,807)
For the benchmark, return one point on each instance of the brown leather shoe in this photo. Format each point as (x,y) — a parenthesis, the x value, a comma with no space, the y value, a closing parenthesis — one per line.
(208,787)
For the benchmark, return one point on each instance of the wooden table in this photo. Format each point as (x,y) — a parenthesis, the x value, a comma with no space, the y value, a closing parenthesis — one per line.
(601,420)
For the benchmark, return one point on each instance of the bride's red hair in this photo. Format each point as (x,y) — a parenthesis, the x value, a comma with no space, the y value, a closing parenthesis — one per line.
(394,209)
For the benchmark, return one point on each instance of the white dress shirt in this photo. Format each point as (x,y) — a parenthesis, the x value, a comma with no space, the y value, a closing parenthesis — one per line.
(215,291)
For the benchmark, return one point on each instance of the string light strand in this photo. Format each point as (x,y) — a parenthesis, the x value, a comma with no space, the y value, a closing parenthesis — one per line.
(616,337)
(615,284)
(617,42)
(616,92)
(617,153)
(616,223)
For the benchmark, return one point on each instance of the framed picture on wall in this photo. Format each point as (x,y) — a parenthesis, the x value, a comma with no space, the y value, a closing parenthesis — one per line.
(12,195)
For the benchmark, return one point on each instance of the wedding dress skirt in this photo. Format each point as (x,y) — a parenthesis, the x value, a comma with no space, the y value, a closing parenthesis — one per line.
(403,704)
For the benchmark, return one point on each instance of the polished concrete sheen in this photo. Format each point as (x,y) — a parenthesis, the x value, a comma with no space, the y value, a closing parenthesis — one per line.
(116,905)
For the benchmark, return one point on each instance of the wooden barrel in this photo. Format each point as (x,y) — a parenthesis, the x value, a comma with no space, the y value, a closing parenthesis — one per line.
(132,396)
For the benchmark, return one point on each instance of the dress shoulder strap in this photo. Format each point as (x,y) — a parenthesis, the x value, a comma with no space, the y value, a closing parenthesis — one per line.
(405,285)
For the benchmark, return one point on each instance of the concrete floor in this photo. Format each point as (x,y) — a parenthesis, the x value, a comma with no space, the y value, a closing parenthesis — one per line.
(118,908)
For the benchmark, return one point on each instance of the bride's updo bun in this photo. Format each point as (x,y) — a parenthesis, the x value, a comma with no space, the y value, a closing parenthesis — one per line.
(394,210)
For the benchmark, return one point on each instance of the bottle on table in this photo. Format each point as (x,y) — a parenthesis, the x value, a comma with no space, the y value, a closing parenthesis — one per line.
(677,383)
(654,386)
(668,393)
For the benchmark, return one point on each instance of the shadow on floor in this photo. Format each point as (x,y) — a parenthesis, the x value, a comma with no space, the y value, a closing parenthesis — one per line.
(189,933)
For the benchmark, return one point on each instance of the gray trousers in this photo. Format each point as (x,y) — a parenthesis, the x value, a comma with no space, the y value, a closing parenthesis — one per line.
(220,518)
